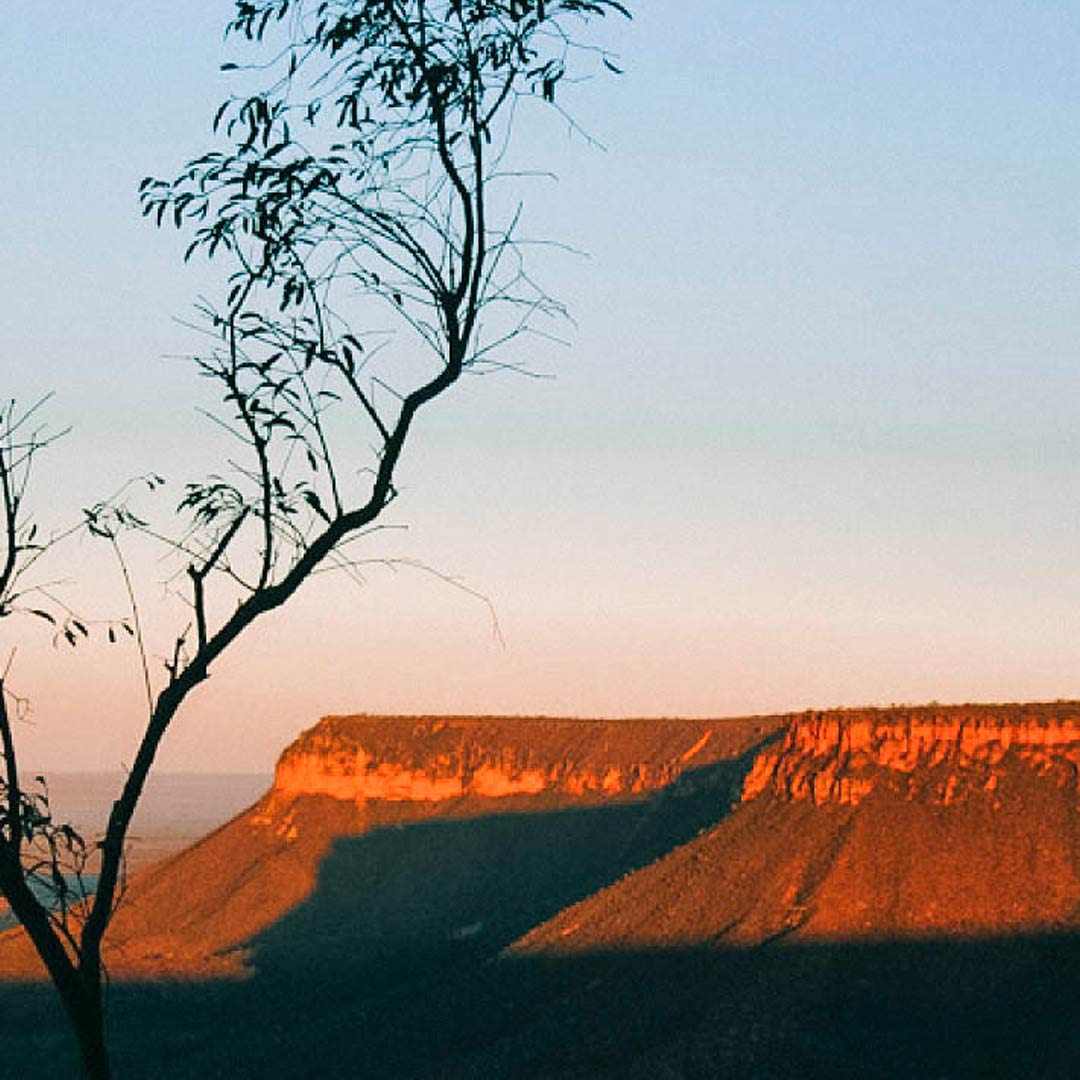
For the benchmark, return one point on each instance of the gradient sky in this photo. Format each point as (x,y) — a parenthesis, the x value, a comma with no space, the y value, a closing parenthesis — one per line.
(814,441)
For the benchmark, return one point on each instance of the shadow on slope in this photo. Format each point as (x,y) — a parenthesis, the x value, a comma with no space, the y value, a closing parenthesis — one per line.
(401,901)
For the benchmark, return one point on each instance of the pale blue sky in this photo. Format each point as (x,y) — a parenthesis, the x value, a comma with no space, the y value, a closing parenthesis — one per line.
(814,441)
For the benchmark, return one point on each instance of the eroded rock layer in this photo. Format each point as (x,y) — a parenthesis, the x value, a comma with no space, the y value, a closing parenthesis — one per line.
(432,759)
(941,754)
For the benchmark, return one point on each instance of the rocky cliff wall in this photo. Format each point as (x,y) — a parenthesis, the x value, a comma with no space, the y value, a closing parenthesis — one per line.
(940,753)
(432,759)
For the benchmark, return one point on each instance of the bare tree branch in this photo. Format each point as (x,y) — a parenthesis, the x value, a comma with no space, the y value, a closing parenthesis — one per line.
(358,180)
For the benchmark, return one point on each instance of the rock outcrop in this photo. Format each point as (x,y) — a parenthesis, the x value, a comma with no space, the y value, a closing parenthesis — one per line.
(941,754)
(434,759)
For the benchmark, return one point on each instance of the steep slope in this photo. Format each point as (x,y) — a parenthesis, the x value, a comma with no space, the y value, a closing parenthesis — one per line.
(868,825)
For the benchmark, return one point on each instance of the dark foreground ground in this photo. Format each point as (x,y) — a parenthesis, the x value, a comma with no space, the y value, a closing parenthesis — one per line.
(959,1009)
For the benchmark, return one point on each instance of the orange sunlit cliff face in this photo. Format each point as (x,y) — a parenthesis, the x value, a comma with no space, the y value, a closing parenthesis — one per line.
(412,759)
(940,755)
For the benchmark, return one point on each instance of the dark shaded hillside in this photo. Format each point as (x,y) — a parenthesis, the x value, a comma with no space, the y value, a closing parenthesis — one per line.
(399,901)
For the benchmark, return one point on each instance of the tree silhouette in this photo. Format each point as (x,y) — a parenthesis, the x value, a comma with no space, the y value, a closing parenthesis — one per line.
(363,178)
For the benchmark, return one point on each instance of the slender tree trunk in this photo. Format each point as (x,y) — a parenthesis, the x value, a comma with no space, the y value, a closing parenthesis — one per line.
(87,1018)
(79,987)
(81,992)
(85,1007)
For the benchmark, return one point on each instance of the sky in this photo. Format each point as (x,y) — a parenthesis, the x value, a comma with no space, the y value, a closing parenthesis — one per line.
(812,441)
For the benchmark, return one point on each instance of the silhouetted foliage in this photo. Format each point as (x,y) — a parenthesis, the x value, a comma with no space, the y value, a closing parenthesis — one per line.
(353,184)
